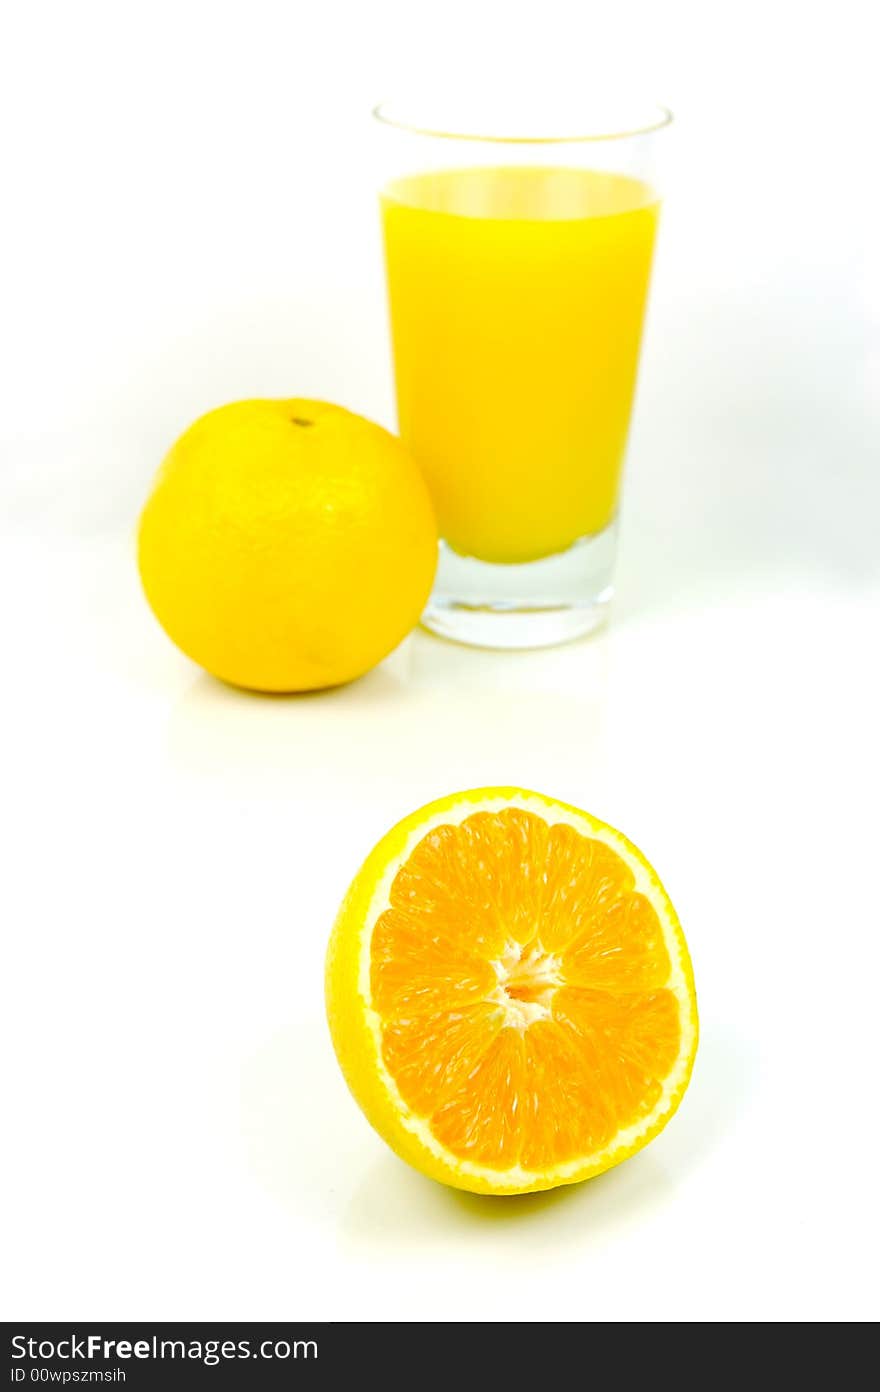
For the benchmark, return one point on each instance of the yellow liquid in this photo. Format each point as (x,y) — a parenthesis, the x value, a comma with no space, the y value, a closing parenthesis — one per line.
(517,297)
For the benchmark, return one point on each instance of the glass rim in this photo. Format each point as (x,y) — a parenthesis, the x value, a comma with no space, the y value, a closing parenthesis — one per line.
(662,116)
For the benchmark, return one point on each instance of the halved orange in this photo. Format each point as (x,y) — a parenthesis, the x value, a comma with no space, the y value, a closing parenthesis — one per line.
(509,993)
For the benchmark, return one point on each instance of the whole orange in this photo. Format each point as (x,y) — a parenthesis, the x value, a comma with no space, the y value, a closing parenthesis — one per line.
(287,545)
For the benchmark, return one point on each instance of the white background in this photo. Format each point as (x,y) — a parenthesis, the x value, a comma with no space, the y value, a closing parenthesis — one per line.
(188,219)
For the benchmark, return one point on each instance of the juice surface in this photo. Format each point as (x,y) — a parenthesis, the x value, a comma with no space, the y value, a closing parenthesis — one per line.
(517,297)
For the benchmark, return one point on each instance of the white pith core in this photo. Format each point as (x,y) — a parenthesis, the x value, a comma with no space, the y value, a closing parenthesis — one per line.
(527,979)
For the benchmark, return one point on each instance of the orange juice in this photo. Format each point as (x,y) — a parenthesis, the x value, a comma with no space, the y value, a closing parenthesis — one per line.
(517,297)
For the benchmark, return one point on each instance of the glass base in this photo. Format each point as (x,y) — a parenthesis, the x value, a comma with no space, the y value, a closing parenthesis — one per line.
(524,606)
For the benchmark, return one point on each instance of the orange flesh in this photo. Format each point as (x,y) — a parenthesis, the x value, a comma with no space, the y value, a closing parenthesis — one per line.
(520,983)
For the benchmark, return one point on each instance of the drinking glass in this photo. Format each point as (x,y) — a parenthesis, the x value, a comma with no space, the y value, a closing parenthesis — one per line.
(518,254)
